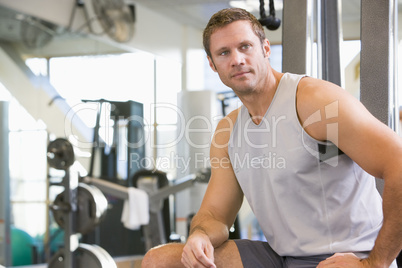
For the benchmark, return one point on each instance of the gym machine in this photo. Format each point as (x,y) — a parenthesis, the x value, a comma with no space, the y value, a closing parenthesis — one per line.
(154,233)
(78,209)
(82,206)
(111,161)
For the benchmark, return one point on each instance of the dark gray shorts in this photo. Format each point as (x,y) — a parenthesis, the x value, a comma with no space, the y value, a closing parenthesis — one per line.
(258,254)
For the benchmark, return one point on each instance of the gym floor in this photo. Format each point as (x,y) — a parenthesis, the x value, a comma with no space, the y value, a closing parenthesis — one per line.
(121,262)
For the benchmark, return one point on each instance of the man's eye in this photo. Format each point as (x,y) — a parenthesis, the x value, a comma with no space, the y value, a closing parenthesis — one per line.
(245,46)
(223,53)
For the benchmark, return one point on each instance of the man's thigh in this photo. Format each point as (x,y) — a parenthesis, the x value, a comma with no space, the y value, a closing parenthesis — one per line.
(260,255)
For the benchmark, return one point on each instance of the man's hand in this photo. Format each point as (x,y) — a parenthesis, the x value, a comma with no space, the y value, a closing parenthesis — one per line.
(343,260)
(198,251)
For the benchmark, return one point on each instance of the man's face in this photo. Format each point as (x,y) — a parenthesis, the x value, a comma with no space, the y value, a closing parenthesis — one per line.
(238,57)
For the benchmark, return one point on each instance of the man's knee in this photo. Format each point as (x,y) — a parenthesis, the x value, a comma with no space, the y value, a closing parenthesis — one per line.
(168,255)
(150,258)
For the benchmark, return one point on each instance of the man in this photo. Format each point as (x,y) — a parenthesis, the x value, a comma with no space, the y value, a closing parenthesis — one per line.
(301,151)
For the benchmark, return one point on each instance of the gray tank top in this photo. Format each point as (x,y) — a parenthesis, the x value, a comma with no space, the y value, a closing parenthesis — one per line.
(309,197)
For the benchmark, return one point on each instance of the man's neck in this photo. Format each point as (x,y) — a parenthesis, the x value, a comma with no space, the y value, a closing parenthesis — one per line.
(259,101)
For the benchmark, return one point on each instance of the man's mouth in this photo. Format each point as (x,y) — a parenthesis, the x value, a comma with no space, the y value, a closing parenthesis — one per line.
(239,74)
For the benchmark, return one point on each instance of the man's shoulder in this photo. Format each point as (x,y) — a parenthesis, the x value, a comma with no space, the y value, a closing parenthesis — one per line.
(313,91)
(229,121)
(224,129)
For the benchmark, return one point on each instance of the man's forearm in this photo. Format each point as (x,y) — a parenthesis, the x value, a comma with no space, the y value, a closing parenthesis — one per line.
(389,240)
(217,231)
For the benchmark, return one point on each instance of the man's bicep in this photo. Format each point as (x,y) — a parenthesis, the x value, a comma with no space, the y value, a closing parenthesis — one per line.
(344,121)
(369,142)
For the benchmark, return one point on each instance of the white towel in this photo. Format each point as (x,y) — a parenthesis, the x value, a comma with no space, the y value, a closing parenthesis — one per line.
(135,209)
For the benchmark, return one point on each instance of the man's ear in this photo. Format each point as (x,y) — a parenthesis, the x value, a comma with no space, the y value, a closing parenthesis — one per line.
(211,64)
(266,46)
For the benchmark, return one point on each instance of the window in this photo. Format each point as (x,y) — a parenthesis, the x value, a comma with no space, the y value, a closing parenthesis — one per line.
(140,77)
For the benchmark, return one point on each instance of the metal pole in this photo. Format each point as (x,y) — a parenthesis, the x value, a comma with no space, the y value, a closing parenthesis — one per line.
(5,231)
(297,36)
(70,182)
(319,38)
(378,67)
(377,63)
(95,144)
(331,37)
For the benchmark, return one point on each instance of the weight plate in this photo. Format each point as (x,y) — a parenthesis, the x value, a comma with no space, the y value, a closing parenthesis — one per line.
(96,251)
(110,261)
(60,154)
(91,208)
(100,200)
(85,256)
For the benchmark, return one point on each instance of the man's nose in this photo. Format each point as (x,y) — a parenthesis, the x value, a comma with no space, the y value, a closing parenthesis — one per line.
(237,58)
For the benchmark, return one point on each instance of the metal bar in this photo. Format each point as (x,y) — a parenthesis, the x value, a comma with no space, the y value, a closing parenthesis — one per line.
(318,31)
(180,185)
(70,182)
(46,239)
(393,24)
(377,65)
(331,36)
(297,36)
(147,233)
(68,228)
(95,140)
(122,191)
(107,187)
(161,228)
(5,244)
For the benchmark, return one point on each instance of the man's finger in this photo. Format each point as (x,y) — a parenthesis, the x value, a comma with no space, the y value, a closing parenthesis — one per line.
(209,252)
(205,260)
